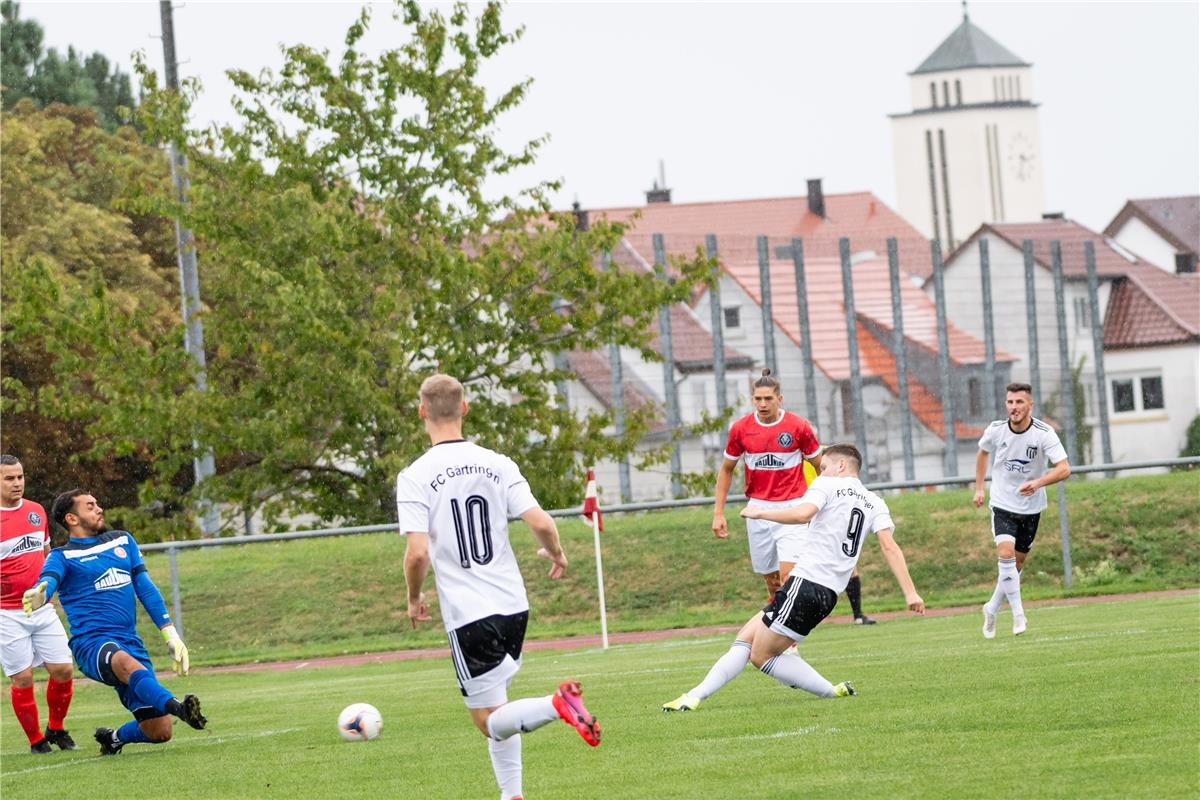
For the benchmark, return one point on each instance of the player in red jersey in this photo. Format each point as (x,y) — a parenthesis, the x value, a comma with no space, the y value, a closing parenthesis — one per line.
(774,445)
(26,642)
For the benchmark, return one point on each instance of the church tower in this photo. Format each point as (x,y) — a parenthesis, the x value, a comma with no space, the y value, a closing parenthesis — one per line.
(969,151)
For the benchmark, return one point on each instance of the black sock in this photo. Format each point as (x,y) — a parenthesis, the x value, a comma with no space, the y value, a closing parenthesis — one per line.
(854,592)
(175,708)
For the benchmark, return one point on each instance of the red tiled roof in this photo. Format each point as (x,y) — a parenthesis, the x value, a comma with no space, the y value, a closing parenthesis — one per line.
(860,216)
(827,315)
(1159,308)
(595,373)
(922,403)
(1176,219)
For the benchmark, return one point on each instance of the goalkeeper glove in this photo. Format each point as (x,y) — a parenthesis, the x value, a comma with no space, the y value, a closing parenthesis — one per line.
(34,598)
(178,650)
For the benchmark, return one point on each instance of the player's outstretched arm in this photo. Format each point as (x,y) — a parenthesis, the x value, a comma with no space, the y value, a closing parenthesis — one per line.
(895,559)
(546,532)
(796,515)
(416,567)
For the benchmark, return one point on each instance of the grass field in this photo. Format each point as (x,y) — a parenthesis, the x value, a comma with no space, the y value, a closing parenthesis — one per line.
(665,570)
(1095,701)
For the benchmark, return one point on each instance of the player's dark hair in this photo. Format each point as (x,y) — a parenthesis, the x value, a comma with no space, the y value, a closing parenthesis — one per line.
(64,504)
(7,461)
(847,451)
(1019,387)
(767,381)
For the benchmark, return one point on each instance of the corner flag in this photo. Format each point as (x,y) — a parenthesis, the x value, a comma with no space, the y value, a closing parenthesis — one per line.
(591,503)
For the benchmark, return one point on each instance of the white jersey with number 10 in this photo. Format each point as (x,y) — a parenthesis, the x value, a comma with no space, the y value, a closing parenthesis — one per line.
(463,495)
(848,513)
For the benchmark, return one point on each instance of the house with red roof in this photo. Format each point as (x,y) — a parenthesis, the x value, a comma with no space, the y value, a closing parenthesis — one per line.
(820,220)
(1164,230)
(1150,321)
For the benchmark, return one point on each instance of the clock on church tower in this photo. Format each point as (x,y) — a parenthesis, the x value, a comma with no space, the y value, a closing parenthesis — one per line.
(968,152)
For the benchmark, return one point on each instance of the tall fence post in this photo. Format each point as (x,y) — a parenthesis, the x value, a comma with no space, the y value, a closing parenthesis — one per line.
(900,353)
(860,417)
(939,296)
(989,332)
(617,389)
(1035,379)
(176,606)
(1093,283)
(768,316)
(806,354)
(670,390)
(718,327)
(1067,395)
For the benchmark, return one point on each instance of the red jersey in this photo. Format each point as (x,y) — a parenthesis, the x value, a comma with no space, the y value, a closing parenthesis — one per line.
(23,537)
(774,455)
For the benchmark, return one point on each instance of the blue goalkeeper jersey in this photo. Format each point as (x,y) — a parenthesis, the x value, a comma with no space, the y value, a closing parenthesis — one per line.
(97,579)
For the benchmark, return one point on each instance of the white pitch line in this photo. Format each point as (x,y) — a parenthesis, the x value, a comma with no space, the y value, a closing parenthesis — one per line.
(779,734)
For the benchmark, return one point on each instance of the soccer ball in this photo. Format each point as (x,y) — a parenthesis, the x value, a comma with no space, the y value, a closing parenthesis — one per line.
(359,722)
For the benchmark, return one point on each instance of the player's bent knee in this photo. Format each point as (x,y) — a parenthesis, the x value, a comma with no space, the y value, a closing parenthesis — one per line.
(157,730)
(60,672)
(22,679)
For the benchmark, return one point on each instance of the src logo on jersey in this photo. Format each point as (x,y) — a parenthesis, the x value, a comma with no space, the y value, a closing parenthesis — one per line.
(785,439)
(35,518)
(1017,465)
(769,461)
(112,578)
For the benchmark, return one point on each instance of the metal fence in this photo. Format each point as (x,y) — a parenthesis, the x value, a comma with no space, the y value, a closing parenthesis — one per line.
(893,344)
(172,548)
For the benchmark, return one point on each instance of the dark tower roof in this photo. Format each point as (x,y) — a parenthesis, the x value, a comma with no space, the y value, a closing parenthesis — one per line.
(968,47)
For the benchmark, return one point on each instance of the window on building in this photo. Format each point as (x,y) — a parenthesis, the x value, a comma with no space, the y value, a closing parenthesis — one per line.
(1017,81)
(1083,315)
(1185,262)
(957,92)
(945,93)
(733,317)
(974,398)
(1122,395)
(1137,393)
(1152,393)
(933,94)
(995,88)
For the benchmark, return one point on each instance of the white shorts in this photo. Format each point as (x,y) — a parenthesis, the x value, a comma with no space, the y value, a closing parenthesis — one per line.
(772,542)
(31,641)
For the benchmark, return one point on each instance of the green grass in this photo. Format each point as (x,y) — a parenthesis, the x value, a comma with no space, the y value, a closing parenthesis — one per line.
(665,570)
(1096,701)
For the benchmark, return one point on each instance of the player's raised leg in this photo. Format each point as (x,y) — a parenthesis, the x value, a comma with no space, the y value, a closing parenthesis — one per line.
(726,668)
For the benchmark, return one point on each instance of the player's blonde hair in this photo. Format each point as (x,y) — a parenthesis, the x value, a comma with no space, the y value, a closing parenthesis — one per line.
(442,396)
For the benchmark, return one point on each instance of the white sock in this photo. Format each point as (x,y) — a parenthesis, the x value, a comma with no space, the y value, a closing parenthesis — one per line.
(797,673)
(521,716)
(997,600)
(728,667)
(1010,579)
(506,763)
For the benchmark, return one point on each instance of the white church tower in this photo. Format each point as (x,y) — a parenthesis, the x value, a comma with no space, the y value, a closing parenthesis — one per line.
(969,151)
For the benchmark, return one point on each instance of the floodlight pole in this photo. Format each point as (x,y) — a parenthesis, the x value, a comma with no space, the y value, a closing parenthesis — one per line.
(189,279)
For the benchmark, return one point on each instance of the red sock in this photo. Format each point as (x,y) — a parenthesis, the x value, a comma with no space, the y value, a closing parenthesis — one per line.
(27,713)
(58,700)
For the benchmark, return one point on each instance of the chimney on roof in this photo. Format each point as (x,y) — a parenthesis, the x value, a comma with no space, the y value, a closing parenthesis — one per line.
(816,197)
(581,216)
(660,193)
(1054,215)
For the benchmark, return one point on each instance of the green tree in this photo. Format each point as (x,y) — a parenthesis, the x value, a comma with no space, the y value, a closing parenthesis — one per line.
(47,77)
(349,246)
(64,237)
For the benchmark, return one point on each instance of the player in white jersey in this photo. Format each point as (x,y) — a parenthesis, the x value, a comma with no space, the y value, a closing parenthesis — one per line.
(454,503)
(840,513)
(1028,457)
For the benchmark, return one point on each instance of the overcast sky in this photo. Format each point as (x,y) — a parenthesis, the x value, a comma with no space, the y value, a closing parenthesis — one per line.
(748,100)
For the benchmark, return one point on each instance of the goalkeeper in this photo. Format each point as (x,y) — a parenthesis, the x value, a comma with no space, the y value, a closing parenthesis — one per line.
(96,574)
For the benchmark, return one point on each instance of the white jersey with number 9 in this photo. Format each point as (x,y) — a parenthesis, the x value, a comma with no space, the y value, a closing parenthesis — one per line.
(463,495)
(847,513)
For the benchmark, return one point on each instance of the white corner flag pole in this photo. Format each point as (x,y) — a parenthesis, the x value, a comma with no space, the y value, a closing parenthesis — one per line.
(600,580)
